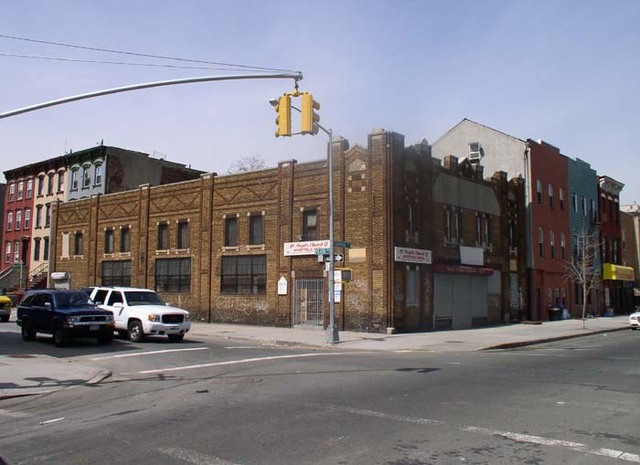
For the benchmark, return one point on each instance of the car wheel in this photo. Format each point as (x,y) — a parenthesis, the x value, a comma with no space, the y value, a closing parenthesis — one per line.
(28,334)
(176,337)
(60,338)
(136,333)
(105,338)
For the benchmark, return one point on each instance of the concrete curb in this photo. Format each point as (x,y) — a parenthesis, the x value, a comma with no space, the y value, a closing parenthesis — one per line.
(513,345)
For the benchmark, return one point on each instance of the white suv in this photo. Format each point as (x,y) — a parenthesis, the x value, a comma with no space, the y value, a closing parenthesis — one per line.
(141,312)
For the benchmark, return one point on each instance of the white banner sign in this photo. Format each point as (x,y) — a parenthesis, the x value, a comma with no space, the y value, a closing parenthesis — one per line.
(404,254)
(304,248)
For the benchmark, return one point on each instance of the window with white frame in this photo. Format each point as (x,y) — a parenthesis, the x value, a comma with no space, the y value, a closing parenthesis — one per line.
(74,179)
(539,191)
(86,177)
(7,252)
(20,190)
(550,189)
(10,221)
(18,220)
(98,178)
(574,202)
(12,192)
(552,244)
(16,252)
(27,218)
(29,188)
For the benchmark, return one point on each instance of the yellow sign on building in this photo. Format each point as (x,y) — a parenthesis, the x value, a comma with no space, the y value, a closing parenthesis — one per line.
(617,272)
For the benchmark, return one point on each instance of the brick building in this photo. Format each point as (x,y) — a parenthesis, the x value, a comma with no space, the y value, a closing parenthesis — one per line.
(33,189)
(617,279)
(546,216)
(243,248)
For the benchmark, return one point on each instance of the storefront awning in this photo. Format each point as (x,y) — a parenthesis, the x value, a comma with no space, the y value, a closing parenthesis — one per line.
(617,272)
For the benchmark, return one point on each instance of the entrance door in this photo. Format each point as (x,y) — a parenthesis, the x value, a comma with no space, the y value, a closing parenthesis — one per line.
(308,302)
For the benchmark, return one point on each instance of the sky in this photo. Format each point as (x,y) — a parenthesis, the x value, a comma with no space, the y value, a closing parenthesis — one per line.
(564,71)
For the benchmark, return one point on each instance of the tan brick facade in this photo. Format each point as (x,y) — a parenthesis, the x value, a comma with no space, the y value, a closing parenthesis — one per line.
(382,199)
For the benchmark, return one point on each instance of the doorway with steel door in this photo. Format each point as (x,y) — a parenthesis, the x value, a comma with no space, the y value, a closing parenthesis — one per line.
(308,302)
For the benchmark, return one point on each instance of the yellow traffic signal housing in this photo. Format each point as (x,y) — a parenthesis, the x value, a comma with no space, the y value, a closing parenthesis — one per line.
(283,120)
(310,119)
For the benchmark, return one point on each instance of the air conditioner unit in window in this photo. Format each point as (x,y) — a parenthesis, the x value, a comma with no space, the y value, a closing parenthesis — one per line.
(475,152)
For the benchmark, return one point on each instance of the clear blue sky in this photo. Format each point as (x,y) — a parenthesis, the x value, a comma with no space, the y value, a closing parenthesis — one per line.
(562,71)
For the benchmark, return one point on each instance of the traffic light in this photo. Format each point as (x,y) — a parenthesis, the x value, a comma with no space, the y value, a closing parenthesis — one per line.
(310,118)
(283,120)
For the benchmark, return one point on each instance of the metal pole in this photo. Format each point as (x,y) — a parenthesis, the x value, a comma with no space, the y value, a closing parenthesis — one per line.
(297,76)
(332,330)
(331,335)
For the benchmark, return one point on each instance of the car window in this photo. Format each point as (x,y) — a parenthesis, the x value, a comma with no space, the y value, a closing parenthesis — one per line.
(71,299)
(114,298)
(143,298)
(46,300)
(101,296)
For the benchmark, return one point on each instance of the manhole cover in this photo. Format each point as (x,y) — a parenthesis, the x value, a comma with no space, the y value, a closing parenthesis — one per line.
(22,356)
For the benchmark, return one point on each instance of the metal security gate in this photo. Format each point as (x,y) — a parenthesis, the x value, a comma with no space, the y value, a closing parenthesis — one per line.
(307,302)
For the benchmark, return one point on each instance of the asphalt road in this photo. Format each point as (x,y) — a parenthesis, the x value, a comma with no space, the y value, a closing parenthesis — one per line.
(220,402)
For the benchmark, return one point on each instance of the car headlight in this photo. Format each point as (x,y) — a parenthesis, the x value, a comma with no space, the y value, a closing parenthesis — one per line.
(187,317)
(73,319)
(108,317)
(154,317)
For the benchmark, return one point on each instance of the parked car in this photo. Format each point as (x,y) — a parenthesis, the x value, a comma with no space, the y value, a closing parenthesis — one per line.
(141,312)
(634,319)
(64,314)
(5,307)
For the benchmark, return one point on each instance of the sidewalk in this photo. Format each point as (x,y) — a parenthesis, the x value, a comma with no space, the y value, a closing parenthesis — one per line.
(27,374)
(468,340)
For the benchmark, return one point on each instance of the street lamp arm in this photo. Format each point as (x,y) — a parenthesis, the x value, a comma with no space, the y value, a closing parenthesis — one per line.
(296,76)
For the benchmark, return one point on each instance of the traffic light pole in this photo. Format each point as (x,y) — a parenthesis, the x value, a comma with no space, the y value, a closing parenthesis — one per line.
(296,76)
(332,330)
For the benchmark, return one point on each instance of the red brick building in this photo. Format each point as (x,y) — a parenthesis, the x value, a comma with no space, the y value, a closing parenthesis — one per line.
(550,229)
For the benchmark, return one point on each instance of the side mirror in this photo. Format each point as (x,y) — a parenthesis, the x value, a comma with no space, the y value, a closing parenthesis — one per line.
(118,305)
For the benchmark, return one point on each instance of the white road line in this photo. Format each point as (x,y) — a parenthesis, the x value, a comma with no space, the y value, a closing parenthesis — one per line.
(246,360)
(155,352)
(519,437)
(373,413)
(602,452)
(193,457)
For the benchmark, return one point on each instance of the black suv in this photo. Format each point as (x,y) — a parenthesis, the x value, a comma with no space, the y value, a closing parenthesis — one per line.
(64,314)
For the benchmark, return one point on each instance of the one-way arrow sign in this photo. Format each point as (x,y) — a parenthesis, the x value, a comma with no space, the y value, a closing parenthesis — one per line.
(337,257)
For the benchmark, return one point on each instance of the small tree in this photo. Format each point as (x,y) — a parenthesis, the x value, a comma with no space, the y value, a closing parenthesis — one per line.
(246,164)
(584,267)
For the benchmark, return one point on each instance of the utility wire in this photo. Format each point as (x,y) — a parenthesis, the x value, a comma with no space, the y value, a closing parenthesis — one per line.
(162,57)
(35,57)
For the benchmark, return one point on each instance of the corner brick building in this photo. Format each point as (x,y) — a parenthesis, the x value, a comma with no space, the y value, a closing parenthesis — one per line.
(243,248)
